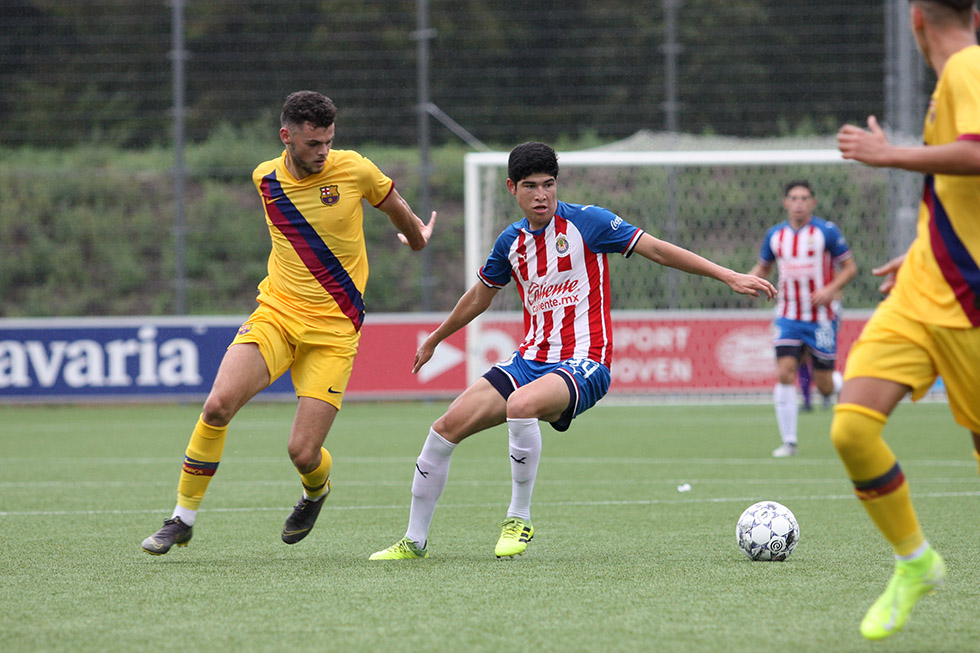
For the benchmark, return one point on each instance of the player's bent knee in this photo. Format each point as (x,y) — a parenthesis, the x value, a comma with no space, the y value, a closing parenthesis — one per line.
(849,431)
(840,435)
(305,459)
(449,427)
(520,406)
(217,412)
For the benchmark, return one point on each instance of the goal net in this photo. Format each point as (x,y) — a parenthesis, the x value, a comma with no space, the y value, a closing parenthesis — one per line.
(716,203)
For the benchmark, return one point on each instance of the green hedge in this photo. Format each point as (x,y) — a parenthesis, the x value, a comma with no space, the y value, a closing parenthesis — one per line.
(90,231)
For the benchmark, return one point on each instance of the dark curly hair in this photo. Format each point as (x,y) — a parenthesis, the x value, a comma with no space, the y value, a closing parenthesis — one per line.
(308,106)
(962,7)
(531,158)
(797,183)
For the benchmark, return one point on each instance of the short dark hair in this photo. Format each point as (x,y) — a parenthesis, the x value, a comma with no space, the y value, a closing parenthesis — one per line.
(308,106)
(948,12)
(798,183)
(531,158)
(955,5)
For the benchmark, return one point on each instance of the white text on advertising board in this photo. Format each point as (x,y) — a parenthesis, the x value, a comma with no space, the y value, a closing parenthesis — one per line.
(88,363)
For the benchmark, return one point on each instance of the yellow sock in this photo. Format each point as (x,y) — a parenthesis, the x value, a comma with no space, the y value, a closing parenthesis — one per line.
(878,479)
(315,483)
(200,463)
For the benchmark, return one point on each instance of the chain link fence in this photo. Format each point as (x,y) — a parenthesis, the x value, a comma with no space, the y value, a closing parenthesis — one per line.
(89,95)
(101,71)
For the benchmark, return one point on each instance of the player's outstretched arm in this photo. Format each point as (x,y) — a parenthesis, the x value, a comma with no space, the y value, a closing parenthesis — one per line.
(414,232)
(473,302)
(747,284)
(761,269)
(664,253)
(872,147)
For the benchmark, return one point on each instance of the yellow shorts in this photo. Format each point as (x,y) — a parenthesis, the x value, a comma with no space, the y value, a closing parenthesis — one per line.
(320,359)
(898,348)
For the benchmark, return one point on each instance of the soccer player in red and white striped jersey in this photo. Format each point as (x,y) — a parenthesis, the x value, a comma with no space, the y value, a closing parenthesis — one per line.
(562,276)
(556,254)
(814,263)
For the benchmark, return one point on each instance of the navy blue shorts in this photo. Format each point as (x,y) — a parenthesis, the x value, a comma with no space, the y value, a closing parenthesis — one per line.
(819,337)
(588,382)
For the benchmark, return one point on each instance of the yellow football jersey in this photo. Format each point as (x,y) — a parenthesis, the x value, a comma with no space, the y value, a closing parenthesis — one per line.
(318,266)
(939,282)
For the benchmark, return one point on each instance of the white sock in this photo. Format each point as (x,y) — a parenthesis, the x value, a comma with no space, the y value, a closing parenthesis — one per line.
(915,555)
(431,474)
(525,453)
(838,381)
(186,515)
(787,409)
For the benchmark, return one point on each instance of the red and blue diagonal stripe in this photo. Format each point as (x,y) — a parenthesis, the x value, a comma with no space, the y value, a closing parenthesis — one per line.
(957,265)
(199,467)
(319,260)
(887,483)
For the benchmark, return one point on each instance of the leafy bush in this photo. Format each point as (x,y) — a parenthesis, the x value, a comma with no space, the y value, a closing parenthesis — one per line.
(90,231)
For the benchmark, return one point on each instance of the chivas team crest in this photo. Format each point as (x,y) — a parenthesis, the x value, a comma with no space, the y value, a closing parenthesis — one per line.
(561,245)
(330,195)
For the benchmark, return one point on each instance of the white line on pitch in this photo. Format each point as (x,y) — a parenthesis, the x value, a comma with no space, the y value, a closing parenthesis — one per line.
(381,460)
(669,482)
(564,504)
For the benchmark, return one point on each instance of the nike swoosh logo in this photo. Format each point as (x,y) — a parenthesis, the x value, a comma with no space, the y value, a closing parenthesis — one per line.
(334,392)
(271,200)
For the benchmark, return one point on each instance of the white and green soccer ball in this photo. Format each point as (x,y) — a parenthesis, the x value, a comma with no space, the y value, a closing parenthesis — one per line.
(767,531)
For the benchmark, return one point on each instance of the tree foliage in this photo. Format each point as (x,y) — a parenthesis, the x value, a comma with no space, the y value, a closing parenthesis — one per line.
(100,71)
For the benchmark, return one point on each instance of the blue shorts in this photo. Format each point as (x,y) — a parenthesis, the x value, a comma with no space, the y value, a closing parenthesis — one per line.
(819,337)
(588,381)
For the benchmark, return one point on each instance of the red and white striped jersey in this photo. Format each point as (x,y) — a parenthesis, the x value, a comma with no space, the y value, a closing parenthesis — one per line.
(563,278)
(805,259)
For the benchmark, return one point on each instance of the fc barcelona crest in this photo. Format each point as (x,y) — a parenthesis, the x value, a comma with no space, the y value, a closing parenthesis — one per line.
(561,245)
(330,195)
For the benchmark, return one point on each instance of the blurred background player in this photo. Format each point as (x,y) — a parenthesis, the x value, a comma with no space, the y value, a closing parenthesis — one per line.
(929,325)
(806,381)
(557,256)
(805,375)
(310,308)
(806,250)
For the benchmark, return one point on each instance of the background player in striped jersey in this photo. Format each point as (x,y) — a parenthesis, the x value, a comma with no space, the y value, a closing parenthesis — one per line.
(310,308)
(807,251)
(929,324)
(556,254)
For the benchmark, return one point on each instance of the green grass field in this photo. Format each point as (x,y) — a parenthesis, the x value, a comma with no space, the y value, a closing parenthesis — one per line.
(621,560)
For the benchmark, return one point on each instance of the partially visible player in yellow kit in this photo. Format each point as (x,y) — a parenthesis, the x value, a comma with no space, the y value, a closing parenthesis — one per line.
(929,324)
(310,308)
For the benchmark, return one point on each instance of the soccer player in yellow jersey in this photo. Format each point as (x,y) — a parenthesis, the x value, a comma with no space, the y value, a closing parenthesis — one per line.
(929,324)
(310,308)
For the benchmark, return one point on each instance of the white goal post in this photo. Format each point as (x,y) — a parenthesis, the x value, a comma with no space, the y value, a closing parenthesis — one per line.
(717,203)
